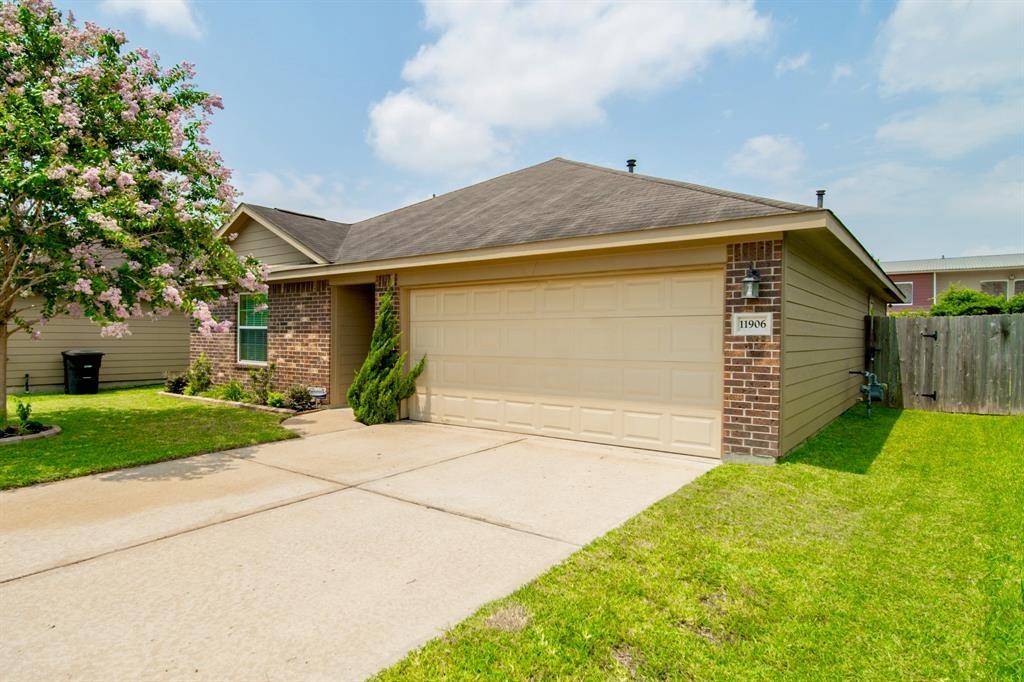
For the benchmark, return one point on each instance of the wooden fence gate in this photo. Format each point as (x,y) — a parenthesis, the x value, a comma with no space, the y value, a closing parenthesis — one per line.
(950,364)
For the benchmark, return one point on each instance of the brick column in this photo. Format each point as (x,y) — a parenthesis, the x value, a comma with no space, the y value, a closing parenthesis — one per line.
(382,284)
(753,364)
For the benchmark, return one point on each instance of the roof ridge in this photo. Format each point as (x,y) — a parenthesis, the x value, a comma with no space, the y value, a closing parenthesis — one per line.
(341,246)
(765,201)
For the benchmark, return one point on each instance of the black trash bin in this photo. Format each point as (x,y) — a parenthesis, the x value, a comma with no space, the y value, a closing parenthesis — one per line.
(81,371)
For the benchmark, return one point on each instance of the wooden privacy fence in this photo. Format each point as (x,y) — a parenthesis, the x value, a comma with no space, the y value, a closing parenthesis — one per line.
(950,364)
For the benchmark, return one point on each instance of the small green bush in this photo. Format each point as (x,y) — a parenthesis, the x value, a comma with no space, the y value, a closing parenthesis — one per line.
(957,301)
(199,375)
(910,313)
(275,399)
(297,397)
(233,390)
(381,384)
(1016,304)
(261,381)
(28,425)
(175,383)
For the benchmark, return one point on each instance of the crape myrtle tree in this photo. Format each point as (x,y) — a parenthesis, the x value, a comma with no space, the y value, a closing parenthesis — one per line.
(109,192)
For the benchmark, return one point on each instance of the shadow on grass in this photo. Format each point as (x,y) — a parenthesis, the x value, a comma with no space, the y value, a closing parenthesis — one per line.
(851,443)
(99,438)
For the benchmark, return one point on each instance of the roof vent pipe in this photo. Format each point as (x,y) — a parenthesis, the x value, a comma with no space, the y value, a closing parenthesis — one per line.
(821,197)
(630,164)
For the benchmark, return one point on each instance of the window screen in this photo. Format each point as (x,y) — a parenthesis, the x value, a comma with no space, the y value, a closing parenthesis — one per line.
(252,330)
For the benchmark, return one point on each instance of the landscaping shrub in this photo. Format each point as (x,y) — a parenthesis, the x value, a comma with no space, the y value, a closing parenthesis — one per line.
(957,301)
(275,399)
(261,380)
(27,425)
(1016,304)
(233,391)
(199,376)
(298,398)
(175,383)
(380,384)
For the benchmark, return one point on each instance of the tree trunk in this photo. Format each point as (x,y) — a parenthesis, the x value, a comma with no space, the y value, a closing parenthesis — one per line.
(3,372)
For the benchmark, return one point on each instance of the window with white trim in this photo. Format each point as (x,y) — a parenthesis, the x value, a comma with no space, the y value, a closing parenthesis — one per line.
(252,329)
(1018,286)
(996,287)
(908,292)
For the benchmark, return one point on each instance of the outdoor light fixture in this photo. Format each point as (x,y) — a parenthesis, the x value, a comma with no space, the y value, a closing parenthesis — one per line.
(752,283)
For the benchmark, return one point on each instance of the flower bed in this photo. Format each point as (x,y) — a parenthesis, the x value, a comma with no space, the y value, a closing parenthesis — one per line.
(14,435)
(258,393)
(233,403)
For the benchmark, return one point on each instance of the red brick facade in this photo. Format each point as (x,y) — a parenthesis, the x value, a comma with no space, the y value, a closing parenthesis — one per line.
(752,382)
(298,337)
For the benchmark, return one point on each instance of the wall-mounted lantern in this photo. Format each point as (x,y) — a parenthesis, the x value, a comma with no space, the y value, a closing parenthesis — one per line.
(752,284)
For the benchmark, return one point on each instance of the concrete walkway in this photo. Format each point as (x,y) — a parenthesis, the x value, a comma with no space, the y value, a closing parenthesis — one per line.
(326,557)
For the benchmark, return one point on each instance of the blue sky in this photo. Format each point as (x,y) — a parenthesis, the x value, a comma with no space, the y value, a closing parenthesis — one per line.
(910,114)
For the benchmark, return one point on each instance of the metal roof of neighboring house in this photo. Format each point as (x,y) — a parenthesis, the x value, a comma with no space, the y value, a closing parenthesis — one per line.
(319,235)
(1010,260)
(552,200)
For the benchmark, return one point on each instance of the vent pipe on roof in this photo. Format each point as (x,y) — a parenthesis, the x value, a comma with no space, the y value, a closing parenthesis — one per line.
(630,164)
(821,197)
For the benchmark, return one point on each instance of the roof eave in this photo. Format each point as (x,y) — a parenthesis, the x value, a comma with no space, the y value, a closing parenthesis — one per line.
(242,209)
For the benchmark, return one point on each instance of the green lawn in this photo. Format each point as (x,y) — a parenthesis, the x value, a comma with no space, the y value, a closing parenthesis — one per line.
(884,549)
(127,427)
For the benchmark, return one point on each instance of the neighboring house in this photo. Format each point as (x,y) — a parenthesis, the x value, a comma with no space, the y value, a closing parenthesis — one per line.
(154,348)
(921,281)
(579,302)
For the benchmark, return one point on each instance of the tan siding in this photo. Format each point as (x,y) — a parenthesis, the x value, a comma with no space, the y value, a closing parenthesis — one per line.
(823,339)
(256,240)
(352,326)
(155,347)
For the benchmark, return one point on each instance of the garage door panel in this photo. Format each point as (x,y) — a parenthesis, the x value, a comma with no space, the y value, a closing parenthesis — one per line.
(632,360)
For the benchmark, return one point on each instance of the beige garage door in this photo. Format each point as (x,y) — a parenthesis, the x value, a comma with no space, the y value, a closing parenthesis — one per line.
(627,360)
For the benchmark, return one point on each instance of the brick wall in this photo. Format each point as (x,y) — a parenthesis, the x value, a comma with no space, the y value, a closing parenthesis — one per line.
(751,409)
(299,333)
(298,337)
(219,348)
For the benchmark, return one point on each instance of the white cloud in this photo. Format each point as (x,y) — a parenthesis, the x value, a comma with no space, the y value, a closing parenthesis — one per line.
(502,69)
(771,158)
(954,127)
(173,15)
(797,63)
(903,210)
(305,193)
(841,71)
(951,46)
(408,131)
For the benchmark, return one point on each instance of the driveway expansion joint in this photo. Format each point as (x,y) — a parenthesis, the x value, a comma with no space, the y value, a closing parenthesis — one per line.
(471,517)
(183,531)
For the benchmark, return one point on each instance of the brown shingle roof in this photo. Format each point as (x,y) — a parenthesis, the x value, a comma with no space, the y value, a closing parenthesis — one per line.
(552,200)
(322,237)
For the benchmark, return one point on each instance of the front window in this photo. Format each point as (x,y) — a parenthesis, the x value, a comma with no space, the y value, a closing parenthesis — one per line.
(996,287)
(252,329)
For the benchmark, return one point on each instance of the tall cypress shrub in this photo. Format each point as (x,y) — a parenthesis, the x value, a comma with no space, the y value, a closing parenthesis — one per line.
(380,384)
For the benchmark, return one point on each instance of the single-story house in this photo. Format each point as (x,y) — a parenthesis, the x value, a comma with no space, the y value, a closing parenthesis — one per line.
(580,302)
(921,281)
(154,348)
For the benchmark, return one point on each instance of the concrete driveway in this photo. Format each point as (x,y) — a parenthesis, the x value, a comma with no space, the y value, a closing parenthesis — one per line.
(326,557)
